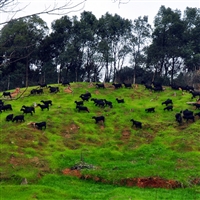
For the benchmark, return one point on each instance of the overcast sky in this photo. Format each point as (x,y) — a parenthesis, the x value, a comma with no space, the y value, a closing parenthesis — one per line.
(130,10)
(133,9)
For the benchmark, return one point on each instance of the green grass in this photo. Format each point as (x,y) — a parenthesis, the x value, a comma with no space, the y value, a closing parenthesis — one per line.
(117,150)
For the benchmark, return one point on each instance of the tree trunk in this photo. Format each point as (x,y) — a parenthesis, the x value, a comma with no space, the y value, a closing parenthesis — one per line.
(26,76)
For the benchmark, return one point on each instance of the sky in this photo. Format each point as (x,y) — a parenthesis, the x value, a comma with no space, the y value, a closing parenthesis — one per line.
(131,9)
(128,9)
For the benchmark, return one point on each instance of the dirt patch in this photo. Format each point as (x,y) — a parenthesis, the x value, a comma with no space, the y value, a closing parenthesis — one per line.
(150,182)
(70,130)
(126,134)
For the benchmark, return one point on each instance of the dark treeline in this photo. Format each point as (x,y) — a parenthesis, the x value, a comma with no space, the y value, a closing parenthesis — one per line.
(108,49)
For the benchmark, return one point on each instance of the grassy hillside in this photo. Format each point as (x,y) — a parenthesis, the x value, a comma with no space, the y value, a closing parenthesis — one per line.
(117,160)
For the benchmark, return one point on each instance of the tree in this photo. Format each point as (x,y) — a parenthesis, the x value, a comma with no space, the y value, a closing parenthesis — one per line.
(165,52)
(141,32)
(19,41)
(113,32)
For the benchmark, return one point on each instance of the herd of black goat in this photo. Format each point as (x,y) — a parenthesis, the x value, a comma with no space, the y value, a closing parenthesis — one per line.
(44,105)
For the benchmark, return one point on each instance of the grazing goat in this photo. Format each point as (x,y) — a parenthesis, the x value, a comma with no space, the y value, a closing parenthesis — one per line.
(29,107)
(40,125)
(86,96)
(45,106)
(5,94)
(195,93)
(168,101)
(137,124)
(79,103)
(128,85)
(18,118)
(108,103)
(120,100)
(37,91)
(149,87)
(178,118)
(48,102)
(99,118)
(150,110)
(82,108)
(187,114)
(65,82)
(169,108)
(54,89)
(187,117)
(9,117)
(158,89)
(117,85)
(197,105)
(100,85)
(6,107)
(27,110)
(42,85)
(197,114)
(1,103)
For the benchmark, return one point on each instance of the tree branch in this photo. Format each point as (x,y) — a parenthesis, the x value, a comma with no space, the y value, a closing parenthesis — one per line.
(56,9)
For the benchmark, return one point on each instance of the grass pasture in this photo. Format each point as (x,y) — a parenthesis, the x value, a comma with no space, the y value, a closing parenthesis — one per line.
(118,161)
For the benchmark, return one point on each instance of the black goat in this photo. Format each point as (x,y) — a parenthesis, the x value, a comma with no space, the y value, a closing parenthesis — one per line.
(108,103)
(120,100)
(42,85)
(1,103)
(85,97)
(37,91)
(197,114)
(29,107)
(47,102)
(187,117)
(18,118)
(158,89)
(82,108)
(187,112)
(54,89)
(117,85)
(9,117)
(197,105)
(40,125)
(137,124)
(178,117)
(128,85)
(78,103)
(27,110)
(150,109)
(99,118)
(100,85)
(65,82)
(195,93)
(149,87)
(5,94)
(45,106)
(6,107)
(169,108)
(168,101)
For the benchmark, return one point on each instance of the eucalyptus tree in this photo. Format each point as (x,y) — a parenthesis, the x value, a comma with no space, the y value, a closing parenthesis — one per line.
(89,42)
(165,52)
(113,33)
(191,48)
(140,39)
(19,42)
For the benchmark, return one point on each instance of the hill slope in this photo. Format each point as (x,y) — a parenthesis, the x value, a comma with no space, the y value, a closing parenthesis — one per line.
(113,152)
